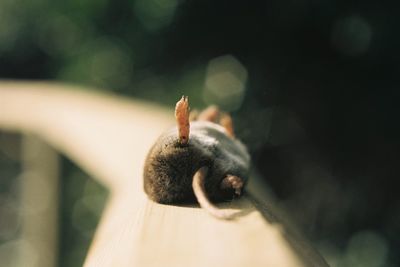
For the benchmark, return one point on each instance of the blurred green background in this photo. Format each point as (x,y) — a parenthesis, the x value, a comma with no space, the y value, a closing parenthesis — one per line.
(313,87)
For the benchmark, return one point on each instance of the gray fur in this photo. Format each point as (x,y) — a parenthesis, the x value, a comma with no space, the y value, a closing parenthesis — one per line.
(170,166)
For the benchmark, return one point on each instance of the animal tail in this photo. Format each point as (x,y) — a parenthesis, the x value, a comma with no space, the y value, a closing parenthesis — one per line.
(205,203)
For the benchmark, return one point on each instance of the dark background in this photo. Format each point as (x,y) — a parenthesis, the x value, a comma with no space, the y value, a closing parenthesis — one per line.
(320,107)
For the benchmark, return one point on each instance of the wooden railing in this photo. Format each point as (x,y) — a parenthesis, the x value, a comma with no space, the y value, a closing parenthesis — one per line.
(109,136)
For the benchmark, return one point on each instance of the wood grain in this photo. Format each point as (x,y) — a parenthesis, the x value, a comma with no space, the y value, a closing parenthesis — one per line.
(109,136)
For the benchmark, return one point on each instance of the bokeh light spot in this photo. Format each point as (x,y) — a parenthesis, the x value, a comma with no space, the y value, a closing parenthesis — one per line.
(58,35)
(10,28)
(82,219)
(367,249)
(155,14)
(10,220)
(351,35)
(87,209)
(110,64)
(104,62)
(17,253)
(225,83)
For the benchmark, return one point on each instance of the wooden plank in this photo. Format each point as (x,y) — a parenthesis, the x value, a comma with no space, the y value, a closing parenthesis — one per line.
(109,136)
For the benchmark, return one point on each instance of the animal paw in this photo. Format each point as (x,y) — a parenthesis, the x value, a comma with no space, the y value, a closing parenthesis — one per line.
(234,182)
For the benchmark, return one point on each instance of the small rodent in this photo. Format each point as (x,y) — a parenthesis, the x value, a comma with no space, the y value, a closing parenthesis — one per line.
(199,159)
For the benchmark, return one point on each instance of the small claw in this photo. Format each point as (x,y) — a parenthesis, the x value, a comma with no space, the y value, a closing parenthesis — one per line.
(238,191)
(233,182)
(209,114)
(227,123)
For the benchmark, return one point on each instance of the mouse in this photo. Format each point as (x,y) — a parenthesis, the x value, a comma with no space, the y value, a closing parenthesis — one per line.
(198,160)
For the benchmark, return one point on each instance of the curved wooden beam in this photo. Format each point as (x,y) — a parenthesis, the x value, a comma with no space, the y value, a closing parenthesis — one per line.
(109,136)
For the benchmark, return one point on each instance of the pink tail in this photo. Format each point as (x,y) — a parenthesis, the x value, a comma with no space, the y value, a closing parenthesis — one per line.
(199,191)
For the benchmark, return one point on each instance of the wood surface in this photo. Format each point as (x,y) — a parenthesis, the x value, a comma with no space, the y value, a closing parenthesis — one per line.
(108,136)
